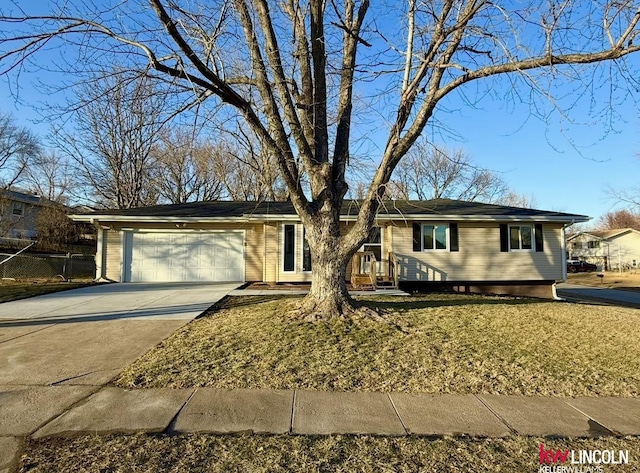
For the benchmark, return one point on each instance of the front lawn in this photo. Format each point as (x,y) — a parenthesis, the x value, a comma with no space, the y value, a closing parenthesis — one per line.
(434,344)
(14,290)
(260,453)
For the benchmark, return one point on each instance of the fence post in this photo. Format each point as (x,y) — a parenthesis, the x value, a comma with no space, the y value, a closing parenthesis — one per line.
(65,268)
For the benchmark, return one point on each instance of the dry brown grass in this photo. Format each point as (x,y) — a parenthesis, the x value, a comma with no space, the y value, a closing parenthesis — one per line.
(206,453)
(611,280)
(434,344)
(13,290)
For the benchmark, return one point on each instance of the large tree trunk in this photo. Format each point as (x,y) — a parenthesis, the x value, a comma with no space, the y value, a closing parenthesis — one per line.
(330,255)
(328,297)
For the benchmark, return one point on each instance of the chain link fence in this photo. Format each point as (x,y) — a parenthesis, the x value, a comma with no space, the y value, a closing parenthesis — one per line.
(37,266)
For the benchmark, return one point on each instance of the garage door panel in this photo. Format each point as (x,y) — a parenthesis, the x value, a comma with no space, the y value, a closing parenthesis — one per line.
(184,257)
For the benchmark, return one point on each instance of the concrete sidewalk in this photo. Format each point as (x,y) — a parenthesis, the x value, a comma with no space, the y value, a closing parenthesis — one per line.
(65,411)
(220,411)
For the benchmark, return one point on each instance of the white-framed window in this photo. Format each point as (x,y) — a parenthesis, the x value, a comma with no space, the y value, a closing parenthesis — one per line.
(289,247)
(435,236)
(593,244)
(306,252)
(520,237)
(17,209)
(577,245)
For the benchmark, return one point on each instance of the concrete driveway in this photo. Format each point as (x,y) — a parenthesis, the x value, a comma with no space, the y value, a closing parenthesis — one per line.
(57,350)
(86,336)
(599,295)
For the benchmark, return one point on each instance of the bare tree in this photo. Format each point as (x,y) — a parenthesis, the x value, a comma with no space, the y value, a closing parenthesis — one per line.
(292,69)
(54,228)
(249,170)
(50,175)
(629,197)
(185,168)
(17,146)
(619,219)
(116,122)
(429,172)
(515,199)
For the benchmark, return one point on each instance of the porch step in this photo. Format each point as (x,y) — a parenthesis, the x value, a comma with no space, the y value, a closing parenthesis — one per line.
(385,283)
(362,281)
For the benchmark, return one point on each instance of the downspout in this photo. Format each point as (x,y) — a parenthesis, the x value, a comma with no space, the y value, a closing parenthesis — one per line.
(99,258)
(564,250)
(564,261)
(264,252)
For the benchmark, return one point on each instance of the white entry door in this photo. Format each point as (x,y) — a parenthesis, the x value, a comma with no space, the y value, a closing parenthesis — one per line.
(185,257)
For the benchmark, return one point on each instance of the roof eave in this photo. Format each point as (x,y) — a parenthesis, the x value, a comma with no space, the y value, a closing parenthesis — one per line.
(92,218)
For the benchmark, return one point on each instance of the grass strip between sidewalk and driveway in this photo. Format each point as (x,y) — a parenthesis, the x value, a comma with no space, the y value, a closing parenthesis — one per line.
(439,343)
(260,453)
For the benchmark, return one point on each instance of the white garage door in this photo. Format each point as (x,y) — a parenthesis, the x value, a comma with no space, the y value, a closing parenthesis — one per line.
(186,257)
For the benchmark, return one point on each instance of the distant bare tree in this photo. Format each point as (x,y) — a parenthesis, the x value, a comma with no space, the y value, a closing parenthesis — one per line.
(514,199)
(626,196)
(619,219)
(55,229)
(50,175)
(118,118)
(185,169)
(248,169)
(17,146)
(430,172)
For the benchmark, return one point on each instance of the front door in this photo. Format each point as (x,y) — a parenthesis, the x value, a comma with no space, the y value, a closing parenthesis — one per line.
(374,245)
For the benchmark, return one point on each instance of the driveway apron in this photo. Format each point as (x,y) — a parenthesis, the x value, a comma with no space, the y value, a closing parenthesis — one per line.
(86,336)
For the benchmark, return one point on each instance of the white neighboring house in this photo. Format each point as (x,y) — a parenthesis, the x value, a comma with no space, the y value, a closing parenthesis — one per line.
(609,249)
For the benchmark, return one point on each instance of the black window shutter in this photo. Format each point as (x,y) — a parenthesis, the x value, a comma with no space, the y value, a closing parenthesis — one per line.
(416,237)
(539,238)
(453,237)
(504,237)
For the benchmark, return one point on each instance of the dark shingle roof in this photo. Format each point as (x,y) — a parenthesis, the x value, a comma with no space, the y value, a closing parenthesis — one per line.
(398,208)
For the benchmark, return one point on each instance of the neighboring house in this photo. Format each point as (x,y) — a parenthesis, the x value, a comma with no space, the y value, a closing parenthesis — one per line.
(463,246)
(19,212)
(609,249)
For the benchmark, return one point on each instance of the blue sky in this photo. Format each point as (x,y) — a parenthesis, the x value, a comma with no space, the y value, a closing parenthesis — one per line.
(564,166)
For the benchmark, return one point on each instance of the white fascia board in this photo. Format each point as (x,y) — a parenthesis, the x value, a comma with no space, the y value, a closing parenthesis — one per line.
(486,218)
(147,219)
(349,218)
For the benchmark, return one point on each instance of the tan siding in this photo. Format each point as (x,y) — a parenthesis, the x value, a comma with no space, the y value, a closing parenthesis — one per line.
(254,252)
(271,252)
(479,258)
(113,254)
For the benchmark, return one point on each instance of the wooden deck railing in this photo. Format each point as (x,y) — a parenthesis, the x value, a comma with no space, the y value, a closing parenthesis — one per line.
(367,271)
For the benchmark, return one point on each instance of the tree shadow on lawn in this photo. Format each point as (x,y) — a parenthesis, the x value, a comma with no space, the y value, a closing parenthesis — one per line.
(433,300)
(395,303)
(232,302)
